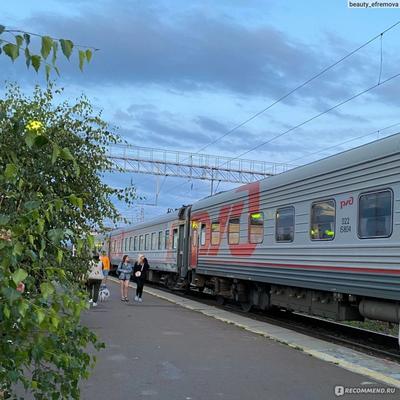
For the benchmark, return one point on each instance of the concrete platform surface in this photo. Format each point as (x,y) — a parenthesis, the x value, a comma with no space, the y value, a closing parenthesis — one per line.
(161,350)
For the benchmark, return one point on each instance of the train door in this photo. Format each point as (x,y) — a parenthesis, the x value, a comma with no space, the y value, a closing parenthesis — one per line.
(180,241)
(194,245)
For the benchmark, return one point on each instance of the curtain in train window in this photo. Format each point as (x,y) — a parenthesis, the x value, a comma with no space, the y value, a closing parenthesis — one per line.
(126,244)
(284,224)
(141,242)
(215,233)
(234,231)
(130,243)
(147,241)
(375,215)
(323,217)
(135,243)
(166,245)
(175,238)
(203,234)
(160,240)
(256,227)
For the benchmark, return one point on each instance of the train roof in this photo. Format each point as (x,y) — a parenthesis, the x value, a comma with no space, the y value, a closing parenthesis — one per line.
(156,220)
(359,155)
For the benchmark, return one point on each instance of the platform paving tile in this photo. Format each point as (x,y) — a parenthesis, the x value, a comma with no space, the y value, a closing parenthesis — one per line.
(161,350)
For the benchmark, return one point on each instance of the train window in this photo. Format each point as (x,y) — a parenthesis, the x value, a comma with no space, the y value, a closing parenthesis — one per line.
(130,243)
(203,231)
(323,216)
(256,227)
(175,238)
(135,243)
(215,233)
(126,244)
(114,243)
(147,241)
(375,215)
(141,242)
(284,224)
(166,239)
(160,240)
(234,231)
(153,241)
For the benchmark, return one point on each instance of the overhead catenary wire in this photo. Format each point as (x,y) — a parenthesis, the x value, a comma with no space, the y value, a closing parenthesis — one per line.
(313,118)
(314,77)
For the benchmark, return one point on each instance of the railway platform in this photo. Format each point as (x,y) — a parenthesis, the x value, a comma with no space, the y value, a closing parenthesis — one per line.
(172,348)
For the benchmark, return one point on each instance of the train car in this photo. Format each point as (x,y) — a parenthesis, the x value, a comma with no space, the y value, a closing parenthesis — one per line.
(323,238)
(163,241)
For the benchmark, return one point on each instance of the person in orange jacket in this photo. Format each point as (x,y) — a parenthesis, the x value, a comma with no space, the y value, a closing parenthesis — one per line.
(106,265)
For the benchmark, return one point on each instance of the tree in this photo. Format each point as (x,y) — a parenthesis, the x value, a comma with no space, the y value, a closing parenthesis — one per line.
(52,158)
(13,42)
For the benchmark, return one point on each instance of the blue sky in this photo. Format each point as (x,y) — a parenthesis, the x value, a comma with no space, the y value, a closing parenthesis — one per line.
(177,74)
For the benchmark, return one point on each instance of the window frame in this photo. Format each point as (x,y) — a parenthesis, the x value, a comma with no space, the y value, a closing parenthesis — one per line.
(126,244)
(175,244)
(391,211)
(153,240)
(166,239)
(201,234)
(294,224)
(141,242)
(249,225)
(159,240)
(147,241)
(135,243)
(219,233)
(310,224)
(229,233)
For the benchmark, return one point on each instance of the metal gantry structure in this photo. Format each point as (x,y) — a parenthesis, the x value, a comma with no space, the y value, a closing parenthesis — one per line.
(152,161)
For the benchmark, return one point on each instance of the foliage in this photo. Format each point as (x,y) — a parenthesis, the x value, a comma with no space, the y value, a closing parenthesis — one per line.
(52,158)
(15,42)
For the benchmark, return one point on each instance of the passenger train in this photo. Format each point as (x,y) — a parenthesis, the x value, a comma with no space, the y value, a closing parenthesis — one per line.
(322,239)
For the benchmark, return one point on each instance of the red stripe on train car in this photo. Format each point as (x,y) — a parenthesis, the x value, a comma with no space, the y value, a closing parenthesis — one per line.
(314,267)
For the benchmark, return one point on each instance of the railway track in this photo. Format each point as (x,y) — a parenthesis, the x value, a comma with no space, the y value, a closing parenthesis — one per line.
(369,342)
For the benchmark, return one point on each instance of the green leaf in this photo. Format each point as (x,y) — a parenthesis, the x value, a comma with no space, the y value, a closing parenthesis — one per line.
(27,38)
(40,223)
(76,201)
(46,288)
(55,321)
(90,241)
(66,47)
(30,138)
(19,276)
(55,154)
(10,171)
(48,70)
(47,44)
(40,315)
(32,204)
(2,29)
(65,154)
(18,248)
(88,55)
(82,57)
(4,219)
(27,57)
(41,140)
(55,235)
(23,308)
(59,204)
(11,50)
(60,255)
(57,70)
(6,311)
(55,50)
(19,39)
(36,61)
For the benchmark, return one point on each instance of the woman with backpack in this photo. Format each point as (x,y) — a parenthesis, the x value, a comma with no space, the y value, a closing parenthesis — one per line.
(139,272)
(124,270)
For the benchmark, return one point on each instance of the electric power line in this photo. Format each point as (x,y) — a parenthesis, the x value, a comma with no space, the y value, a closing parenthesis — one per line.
(323,71)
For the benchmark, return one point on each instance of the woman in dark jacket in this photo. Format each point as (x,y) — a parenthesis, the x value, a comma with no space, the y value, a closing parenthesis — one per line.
(139,272)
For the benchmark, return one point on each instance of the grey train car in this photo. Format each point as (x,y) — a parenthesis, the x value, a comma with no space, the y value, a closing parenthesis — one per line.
(323,239)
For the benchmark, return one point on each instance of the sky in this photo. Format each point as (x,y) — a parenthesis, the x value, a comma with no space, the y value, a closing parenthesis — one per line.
(178,74)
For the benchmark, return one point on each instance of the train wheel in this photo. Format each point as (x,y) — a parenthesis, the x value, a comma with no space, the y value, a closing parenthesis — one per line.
(246,306)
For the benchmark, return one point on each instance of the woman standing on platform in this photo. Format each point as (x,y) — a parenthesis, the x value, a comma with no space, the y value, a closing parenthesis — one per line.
(124,270)
(139,271)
